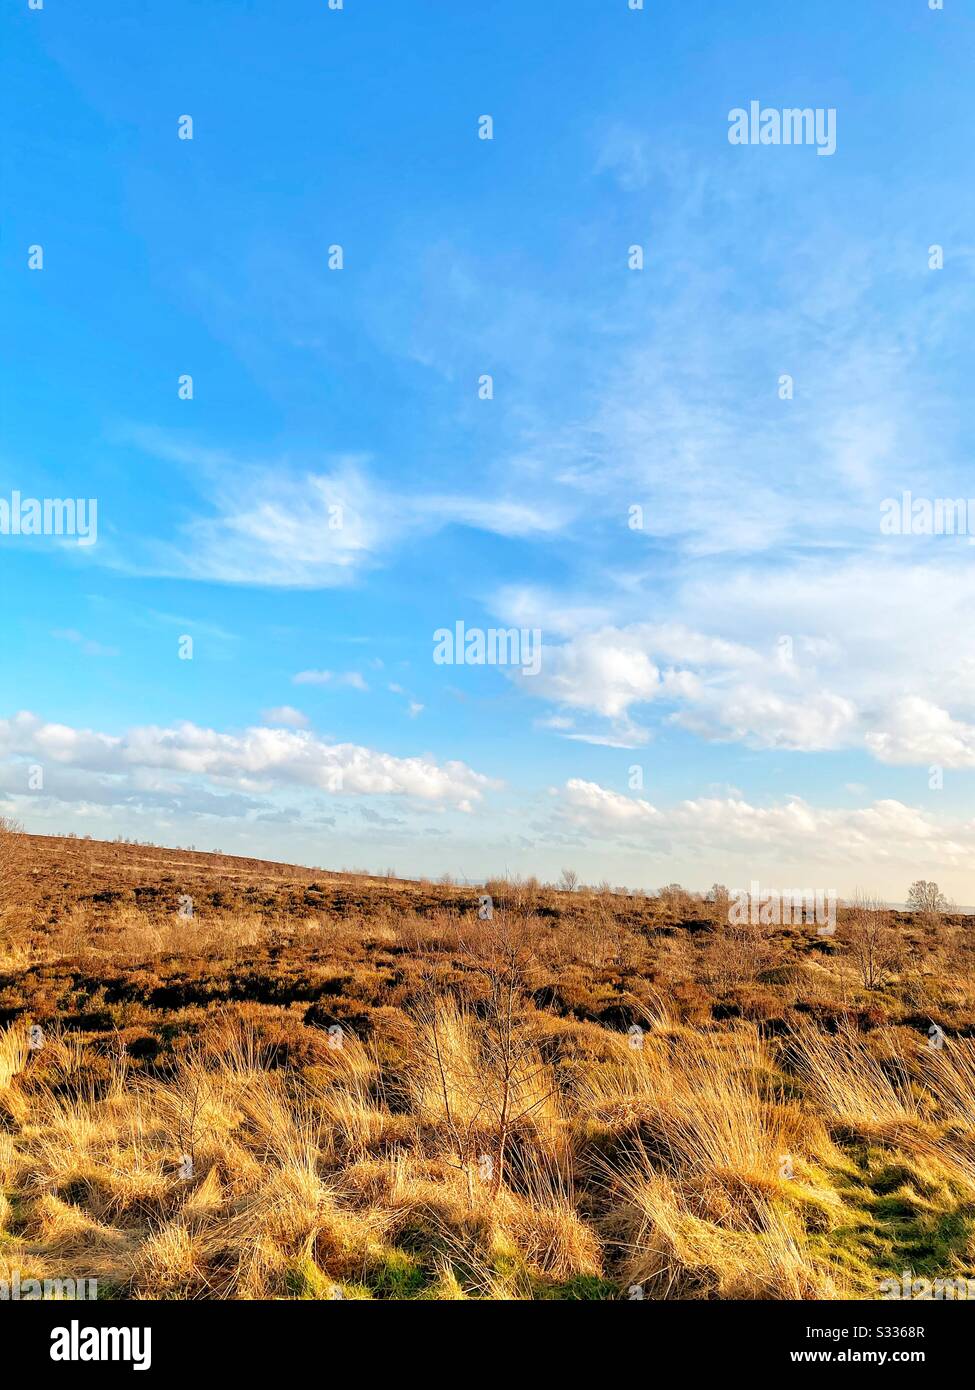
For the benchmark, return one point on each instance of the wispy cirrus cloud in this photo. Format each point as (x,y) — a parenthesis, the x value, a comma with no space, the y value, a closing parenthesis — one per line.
(85,644)
(283,525)
(354,680)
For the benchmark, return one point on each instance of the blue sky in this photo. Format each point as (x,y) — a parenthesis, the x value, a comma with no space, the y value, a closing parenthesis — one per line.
(755,684)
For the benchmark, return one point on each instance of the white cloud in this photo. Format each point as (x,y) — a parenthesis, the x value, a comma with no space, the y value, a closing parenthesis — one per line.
(614,671)
(626,737)
(413,707)
(761,718)
(282,526)
(528,606)
(333,678)
(257,758)
(719,829)
(504,518)
(866,653)
(588,801)
(918,731)
(561,723)
(269,525)
(605,671)
(286,714)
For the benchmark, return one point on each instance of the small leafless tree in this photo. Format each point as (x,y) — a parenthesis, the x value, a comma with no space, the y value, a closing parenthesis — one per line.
(495,1091)
(568,880)
(511,1053)
(874,945)
(927,899)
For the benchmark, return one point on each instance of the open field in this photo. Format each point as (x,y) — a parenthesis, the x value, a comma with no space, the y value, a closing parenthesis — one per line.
(234,1079)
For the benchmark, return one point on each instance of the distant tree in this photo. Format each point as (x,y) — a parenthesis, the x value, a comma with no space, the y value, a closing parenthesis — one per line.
(927,897)
(676,899)
(568,880)
(719,898)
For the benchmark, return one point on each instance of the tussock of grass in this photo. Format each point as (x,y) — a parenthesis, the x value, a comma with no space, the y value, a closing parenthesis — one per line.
(661,1169)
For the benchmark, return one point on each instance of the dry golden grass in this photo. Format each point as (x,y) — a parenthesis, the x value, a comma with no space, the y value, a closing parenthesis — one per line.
(361,1089)
(662,1168)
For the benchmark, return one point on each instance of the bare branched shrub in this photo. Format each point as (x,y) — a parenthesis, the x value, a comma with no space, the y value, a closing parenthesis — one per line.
(874,946)
(739,952)
(718,899)
(677,901)
(480,1077)
(514,892)
(11,861)
(14,941)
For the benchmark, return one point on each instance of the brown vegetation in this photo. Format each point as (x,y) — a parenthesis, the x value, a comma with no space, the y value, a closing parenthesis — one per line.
(227,1078)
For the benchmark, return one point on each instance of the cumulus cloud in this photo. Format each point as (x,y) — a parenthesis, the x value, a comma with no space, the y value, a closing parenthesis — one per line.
(918,731)
(587,801)
(256,758)
(605,671)
(763,718)
(887,831)
(720,689)
(826,655)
